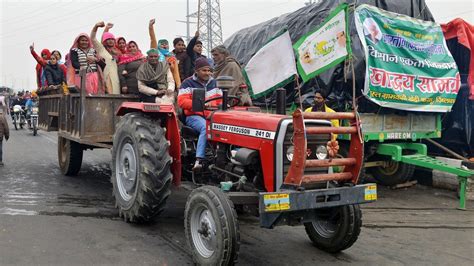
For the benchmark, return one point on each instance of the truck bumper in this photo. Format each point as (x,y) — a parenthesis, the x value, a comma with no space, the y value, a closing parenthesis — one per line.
(288,207)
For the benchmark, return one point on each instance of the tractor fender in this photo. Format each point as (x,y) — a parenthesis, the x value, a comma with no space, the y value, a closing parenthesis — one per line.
(167,114)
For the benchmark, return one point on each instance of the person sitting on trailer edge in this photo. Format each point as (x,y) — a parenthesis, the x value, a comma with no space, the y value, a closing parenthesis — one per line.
(54,73)
(201,79)
(128,67)
(155,80)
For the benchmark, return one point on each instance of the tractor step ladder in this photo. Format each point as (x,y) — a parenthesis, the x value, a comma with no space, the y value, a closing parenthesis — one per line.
(421,159)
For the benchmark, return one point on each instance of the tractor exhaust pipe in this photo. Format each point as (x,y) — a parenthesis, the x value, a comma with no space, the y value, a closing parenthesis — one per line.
(225,83)
(281,101)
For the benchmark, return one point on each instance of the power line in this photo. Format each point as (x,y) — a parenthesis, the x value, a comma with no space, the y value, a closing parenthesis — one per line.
(51,21)
(27,15)
(259,10)
(79,27)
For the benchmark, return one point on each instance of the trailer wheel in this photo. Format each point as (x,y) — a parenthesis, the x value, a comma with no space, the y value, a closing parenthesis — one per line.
(141,175)
(211,227)
(392,174)
(335,229)
(69,156)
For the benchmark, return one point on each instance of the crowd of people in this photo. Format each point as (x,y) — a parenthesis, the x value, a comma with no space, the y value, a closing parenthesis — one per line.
(115,66)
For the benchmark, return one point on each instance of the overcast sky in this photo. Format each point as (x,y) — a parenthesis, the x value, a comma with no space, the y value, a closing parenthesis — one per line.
(55,24)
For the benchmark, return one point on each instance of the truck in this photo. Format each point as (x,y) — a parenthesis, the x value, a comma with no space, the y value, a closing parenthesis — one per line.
(273,166)
(395,139)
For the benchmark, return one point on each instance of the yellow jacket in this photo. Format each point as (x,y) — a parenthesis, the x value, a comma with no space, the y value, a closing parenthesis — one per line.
(334,122)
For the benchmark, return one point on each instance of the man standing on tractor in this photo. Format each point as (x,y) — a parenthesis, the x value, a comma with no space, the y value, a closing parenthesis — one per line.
(202,78)
(227,65)
(319,105)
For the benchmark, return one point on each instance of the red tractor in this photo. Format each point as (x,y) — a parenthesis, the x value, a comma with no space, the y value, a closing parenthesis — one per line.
(274,166)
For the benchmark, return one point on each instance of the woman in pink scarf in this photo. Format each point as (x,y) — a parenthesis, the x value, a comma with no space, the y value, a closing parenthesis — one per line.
(83,56)
(127,68)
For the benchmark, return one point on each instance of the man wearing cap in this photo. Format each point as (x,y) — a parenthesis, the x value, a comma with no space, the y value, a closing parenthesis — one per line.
(4,132)
(155,80)
(109,53)
(202,78)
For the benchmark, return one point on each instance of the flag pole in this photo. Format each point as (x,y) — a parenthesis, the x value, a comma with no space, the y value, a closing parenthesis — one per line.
(299,91)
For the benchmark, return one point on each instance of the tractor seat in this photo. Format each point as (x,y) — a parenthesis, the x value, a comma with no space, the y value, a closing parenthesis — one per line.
(185,130)
(188,131)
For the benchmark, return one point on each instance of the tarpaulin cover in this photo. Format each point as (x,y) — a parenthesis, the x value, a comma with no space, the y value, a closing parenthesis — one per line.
(246,42)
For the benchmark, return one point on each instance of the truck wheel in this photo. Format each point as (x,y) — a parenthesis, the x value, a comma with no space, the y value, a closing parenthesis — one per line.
(335,229)
(211,227)
(69,156)
(141,175)
(394,173)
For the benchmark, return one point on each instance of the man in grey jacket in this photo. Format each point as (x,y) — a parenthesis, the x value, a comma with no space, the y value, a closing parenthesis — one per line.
(4,131)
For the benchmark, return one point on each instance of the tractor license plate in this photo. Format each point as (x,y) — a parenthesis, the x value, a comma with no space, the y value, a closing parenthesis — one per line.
(276,202)
(370,192)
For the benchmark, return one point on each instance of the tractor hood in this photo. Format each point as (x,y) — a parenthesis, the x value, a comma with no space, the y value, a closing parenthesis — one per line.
(245,129)
(247,123)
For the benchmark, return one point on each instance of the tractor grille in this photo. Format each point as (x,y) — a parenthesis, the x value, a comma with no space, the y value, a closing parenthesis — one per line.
(313,141)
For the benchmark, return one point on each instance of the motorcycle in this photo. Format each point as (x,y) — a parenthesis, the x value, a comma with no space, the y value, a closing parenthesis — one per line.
(33,120)
(19,118)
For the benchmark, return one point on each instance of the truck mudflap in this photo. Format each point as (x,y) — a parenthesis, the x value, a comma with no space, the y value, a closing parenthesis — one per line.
(292,207)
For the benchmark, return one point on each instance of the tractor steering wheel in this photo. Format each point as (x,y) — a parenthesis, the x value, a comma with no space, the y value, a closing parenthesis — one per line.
(233,100)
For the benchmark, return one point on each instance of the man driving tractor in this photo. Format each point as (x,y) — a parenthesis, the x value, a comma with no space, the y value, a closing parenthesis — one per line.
(202,78)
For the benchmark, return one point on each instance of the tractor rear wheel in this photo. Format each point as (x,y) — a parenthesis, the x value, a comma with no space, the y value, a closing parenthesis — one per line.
(69,156)
(211,227)
(335,229)
(141,175)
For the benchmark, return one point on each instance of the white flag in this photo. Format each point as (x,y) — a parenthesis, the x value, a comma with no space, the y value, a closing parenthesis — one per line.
(272,67)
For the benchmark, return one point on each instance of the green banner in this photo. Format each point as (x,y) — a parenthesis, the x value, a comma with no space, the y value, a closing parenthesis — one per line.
(409,66)
(325,46)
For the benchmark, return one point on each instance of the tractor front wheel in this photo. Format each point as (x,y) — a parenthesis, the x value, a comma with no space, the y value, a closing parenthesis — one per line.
(211,227)
(335,229)
(141,175)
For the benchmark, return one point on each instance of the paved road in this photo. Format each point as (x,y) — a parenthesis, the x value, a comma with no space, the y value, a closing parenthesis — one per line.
(47,218)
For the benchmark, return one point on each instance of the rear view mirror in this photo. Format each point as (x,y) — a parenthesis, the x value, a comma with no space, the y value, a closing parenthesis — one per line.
(199,96)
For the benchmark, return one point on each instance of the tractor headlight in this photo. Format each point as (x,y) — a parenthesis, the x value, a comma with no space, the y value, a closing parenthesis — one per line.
(35,109)
(321,152)
(289,153)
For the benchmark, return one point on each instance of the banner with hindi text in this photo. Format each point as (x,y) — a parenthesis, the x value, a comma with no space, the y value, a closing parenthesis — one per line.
(408,65)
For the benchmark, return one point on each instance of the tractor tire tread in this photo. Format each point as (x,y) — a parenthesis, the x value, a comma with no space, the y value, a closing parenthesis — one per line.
(227,219)
(154,184)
